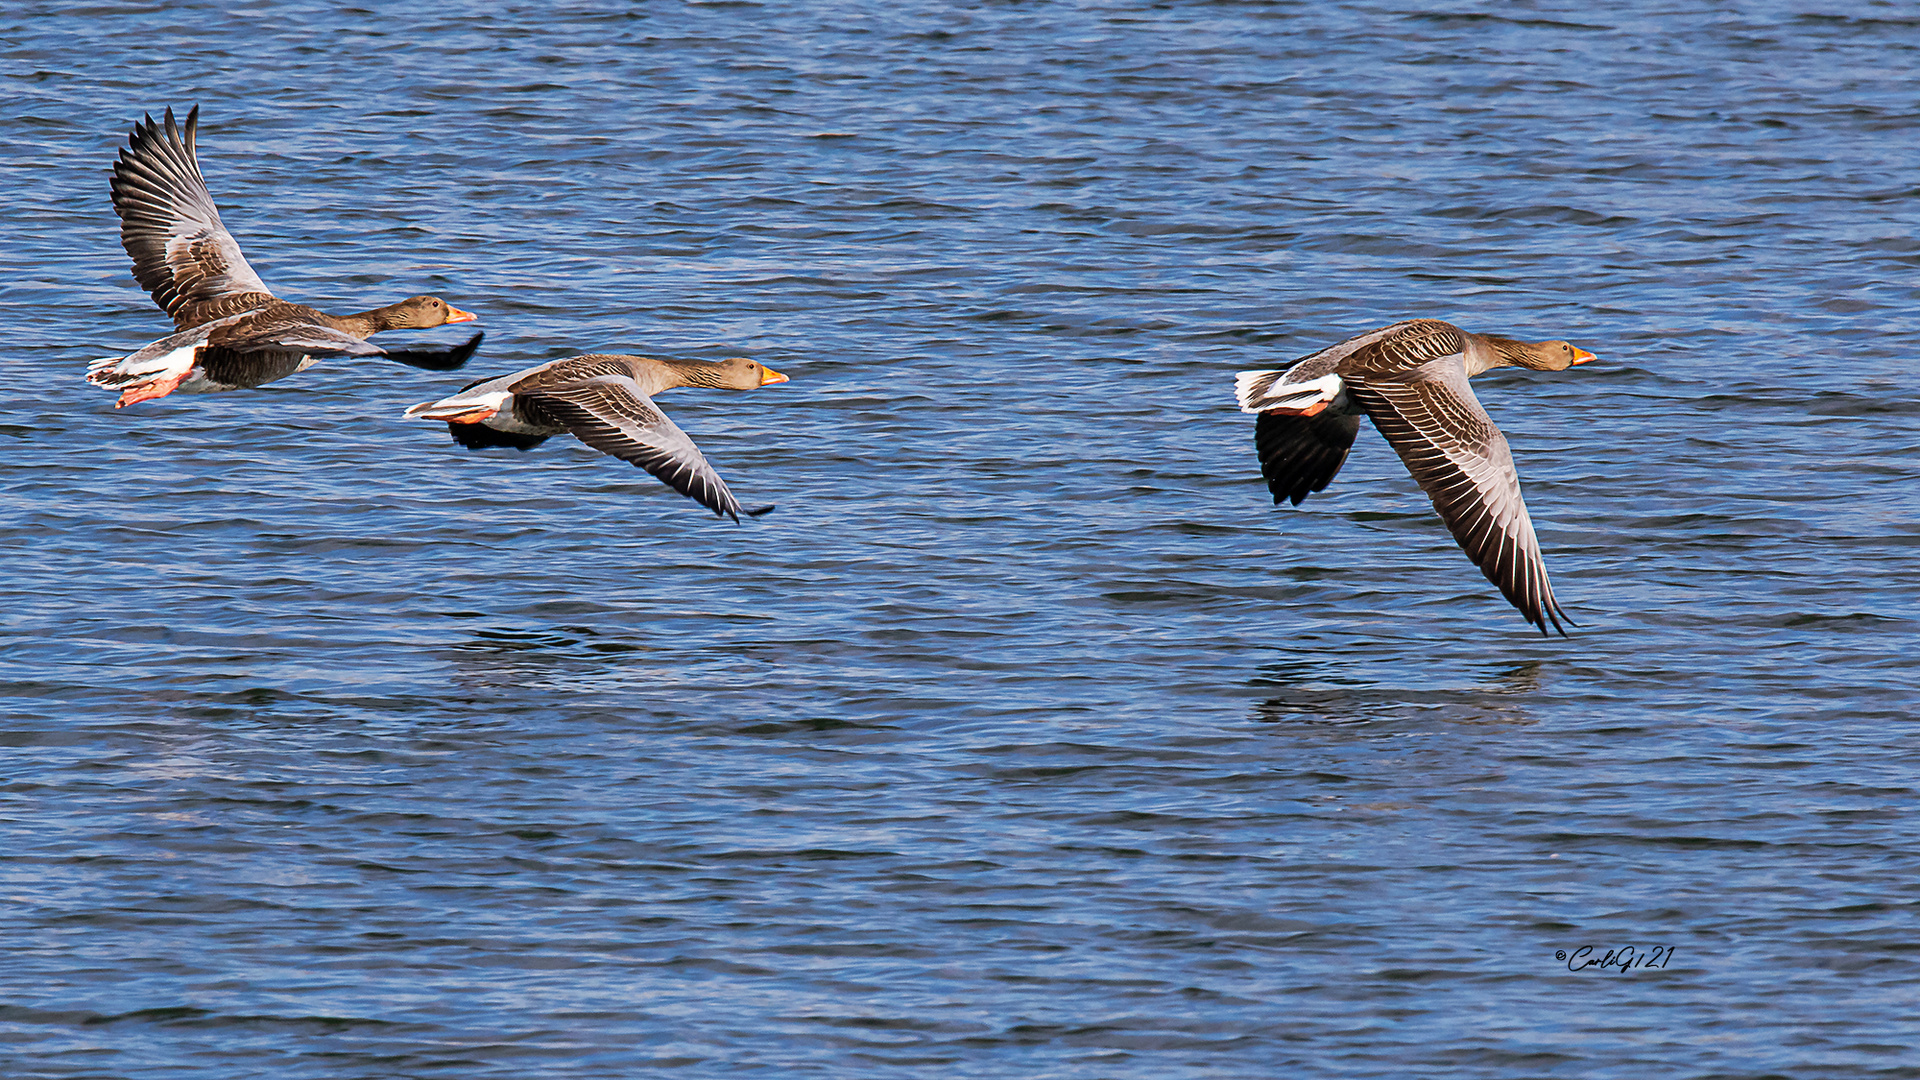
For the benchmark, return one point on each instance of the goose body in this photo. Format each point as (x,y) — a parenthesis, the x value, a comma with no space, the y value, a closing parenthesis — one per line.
(1411,380)
(606,401)
(230,330)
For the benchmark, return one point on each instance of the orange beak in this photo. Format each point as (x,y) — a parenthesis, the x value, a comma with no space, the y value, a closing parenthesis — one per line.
(769,376)
(1581,356)
(455,315)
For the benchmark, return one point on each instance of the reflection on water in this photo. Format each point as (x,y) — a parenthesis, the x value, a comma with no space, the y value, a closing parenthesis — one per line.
(1306,695)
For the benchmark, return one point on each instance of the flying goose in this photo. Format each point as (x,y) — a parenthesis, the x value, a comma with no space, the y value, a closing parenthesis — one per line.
(606,401)
(1411,380)
(230,331)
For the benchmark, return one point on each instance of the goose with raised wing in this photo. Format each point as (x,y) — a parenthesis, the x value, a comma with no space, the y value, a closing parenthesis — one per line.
(1410,379)
(230,330)
(606,401)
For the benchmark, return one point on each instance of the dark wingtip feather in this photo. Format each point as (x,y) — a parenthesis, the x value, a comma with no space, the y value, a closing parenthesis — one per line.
(1301,455)
(758,511)
(438,357)
(1559,615)
(482,437)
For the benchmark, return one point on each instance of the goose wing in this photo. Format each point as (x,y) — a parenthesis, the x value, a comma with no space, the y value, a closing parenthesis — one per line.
(1432,420)
(437,357)
(292,330)
(1299,455)
(181,252)
(612,415)
(250,353)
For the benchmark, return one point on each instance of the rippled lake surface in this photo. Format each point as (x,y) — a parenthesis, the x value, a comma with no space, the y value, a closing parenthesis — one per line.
(1025,738)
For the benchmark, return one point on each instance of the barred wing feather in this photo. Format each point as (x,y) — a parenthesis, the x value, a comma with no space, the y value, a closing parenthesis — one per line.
(610,414)
(181,252)
(1460,459)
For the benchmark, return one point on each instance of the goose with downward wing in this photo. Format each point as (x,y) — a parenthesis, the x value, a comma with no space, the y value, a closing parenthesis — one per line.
(1410,379)
(606,401)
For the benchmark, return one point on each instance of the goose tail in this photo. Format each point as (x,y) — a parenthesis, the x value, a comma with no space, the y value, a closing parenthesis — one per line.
(1264,392)
(150,373)
(461,408)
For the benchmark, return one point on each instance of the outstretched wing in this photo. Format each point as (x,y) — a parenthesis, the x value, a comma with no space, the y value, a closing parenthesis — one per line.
(259,354)
(1299,455)
(482,437)
(181,252)
(437,357)
(1431,418)
(274,331)
(610,414)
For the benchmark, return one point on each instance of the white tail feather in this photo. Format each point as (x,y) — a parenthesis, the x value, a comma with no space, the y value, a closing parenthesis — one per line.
(147,365)
(457,405)
(1260,391)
